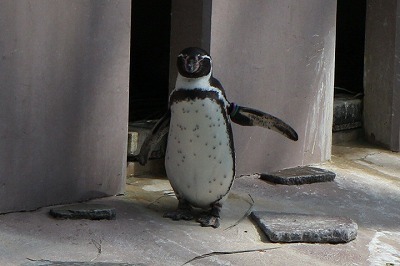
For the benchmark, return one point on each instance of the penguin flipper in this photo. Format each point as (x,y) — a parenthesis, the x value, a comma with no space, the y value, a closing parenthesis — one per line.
(158,132)
(246,116)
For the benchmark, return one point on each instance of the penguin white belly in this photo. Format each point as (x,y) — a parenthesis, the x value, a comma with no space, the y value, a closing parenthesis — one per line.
(199,159)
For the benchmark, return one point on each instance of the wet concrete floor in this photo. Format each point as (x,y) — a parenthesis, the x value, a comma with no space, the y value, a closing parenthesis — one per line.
(366,189)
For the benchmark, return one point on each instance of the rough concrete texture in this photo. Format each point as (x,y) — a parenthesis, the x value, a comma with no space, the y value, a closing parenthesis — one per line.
(283,64)
(76,263)
(299,176)
(64,90)
(294,227)
(84,211)
(381,113)
(366,189)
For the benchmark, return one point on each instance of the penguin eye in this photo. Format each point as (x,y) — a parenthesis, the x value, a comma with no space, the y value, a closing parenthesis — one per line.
(205,57)
(200,58)
(184,57)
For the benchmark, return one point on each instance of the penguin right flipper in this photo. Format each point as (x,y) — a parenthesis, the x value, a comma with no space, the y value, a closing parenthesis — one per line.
(246,116)
(158,132)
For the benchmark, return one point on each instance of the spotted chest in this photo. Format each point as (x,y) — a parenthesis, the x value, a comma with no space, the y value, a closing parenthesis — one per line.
(200,160)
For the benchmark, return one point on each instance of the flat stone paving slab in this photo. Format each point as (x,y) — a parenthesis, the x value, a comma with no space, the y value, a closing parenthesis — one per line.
(347,112)
(299,176)
(84,211)
(291,227)
(76,263)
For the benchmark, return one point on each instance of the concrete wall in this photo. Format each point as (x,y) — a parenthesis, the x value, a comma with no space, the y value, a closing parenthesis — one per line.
(381,75)
(64,73)
(278,56)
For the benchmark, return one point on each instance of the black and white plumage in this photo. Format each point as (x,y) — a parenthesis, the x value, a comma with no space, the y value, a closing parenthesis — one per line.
(200,155)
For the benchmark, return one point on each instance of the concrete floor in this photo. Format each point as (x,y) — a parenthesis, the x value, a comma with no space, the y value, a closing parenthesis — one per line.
(366,189)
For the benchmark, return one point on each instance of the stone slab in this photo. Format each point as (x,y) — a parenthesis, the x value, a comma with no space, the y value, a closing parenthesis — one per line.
(291,227)
(76,263)
(299,176)
(347,113)
(346,136)
(84,211)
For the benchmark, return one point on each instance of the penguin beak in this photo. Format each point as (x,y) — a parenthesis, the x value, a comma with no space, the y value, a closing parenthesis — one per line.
(192,64)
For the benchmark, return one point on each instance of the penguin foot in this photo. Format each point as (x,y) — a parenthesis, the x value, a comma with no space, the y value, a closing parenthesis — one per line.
(179,214)
(209,220)
(184,211)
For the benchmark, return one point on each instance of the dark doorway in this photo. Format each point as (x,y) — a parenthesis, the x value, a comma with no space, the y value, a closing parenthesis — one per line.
(349,69)
(150,48)
(350,38)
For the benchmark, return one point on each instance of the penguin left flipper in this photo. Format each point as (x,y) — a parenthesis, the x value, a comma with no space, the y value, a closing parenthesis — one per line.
(158,132)
(246,116)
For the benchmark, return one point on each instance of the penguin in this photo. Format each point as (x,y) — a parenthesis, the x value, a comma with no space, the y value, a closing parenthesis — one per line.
(200,153)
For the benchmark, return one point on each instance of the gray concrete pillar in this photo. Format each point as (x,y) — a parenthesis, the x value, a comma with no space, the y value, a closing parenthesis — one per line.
(382,73)
(64,82)
(278,56)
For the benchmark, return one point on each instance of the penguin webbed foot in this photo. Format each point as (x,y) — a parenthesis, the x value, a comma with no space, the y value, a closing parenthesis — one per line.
(179,215)
(212,218)
(208,220)
(183,212)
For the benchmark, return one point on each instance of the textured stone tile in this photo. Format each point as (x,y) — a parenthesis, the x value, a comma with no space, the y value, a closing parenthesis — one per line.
(84,211)
(76,263)
(299,176)
(290,227)
(347,113)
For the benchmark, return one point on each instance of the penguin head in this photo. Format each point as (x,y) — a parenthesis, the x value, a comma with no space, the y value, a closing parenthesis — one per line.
(194,62)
